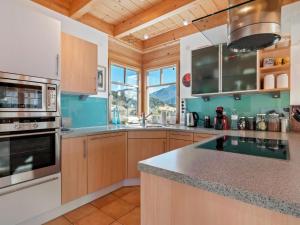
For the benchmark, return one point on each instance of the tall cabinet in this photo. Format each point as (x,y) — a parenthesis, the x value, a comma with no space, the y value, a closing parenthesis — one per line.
(30,41)
(79,65)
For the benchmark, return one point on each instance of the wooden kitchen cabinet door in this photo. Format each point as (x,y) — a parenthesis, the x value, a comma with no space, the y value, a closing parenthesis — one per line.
(74,168)
(106,160)
(78,65)
(177,143)
(140,149)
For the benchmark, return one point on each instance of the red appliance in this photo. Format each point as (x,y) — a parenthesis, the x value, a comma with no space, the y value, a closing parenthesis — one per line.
(221,120)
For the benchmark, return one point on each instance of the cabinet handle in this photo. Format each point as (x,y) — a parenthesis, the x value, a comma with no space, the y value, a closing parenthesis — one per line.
(57,64)
(112,135)
(84,149)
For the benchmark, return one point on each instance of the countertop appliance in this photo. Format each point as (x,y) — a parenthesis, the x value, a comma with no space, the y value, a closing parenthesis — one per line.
(192,119)
(270,148)
(29,128)
(221,120)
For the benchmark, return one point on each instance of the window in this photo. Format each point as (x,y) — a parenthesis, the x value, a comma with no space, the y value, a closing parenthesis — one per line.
(124,92)
(161,90)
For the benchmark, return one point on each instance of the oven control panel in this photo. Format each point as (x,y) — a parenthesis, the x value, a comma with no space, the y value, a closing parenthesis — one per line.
(51,97)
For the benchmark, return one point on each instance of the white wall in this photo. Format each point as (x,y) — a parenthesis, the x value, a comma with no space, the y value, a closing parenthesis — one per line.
(291,25)
(80,30)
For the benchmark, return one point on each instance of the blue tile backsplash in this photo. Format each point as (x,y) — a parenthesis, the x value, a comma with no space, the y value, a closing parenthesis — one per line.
(249,105)
(86,112)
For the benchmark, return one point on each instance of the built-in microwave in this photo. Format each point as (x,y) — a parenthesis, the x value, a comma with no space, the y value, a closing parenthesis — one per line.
(23,96)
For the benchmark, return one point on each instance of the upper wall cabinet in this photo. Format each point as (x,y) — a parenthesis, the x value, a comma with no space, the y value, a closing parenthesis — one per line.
(205,70)
(78,65)
(239,70)
(30,41)
(217,70)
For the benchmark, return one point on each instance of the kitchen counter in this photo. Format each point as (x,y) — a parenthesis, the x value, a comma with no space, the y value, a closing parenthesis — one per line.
(77,132)
(269,183)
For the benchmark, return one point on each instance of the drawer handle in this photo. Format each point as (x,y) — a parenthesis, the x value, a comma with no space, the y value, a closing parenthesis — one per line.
(98,138)
(28,186)
(181,134)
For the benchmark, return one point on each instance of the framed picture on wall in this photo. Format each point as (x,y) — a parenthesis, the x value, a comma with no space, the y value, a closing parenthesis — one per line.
(101,78)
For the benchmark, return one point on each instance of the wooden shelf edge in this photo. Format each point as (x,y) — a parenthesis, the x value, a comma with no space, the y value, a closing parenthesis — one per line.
(273,90)
(275,68)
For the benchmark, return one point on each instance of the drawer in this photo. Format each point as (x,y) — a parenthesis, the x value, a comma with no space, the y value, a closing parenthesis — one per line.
(106,135)
(202,136)
(146,134)
(188,136)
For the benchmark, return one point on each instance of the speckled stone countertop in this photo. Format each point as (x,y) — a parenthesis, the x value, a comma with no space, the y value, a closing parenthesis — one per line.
(77,132)
(265,182)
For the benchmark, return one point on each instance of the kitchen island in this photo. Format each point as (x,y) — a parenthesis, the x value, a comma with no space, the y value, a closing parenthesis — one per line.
(193,186)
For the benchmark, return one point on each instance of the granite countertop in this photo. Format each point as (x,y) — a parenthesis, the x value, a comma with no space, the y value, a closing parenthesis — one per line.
(265,182)
(77,132)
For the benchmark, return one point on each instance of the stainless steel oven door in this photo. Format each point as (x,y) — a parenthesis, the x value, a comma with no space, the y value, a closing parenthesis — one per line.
(28,155)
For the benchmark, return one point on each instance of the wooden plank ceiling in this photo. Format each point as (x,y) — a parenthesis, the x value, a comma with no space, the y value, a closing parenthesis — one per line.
(130,20)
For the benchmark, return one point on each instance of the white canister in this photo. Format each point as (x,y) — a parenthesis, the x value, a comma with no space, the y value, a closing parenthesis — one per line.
(282,81)
(269,81)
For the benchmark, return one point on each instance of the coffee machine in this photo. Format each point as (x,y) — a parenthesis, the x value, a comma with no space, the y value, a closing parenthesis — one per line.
(221,120)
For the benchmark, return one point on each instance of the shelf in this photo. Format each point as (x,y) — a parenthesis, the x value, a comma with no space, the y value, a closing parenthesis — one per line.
(274,90)
(277,49)
(274,69)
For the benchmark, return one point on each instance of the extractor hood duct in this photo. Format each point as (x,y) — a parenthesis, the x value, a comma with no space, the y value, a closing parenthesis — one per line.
(254,25)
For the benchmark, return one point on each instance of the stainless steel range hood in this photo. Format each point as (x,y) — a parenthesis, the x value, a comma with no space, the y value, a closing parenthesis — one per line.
(254,25)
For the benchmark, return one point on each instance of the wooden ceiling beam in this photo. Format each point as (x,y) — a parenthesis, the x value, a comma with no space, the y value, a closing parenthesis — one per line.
(98,24)
(155,14)
(79,7)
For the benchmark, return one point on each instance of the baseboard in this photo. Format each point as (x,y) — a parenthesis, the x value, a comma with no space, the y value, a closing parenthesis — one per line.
(131,182)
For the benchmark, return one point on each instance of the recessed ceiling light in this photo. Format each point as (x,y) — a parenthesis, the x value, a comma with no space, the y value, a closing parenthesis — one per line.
(185,22)
(146,36)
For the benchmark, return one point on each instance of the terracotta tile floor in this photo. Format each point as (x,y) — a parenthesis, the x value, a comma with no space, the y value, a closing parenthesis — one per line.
(121,207)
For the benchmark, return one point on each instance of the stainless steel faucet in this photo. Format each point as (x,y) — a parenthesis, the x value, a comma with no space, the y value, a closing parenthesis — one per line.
(144,118)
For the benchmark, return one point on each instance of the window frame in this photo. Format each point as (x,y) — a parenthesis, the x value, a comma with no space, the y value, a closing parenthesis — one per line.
(138,86)
(161,68)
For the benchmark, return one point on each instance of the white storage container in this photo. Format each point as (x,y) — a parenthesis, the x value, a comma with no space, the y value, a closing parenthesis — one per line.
(282,81)
(269,81)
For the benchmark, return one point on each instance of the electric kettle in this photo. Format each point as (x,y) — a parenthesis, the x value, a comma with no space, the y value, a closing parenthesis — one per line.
(192,119)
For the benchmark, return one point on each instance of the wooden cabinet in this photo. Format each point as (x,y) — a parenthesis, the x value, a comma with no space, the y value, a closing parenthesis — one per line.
(30,41)
(106,160)
(142,145)
(179,139)
(78,65)
(74,168)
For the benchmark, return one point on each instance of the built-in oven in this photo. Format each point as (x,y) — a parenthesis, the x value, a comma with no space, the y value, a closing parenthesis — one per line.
(29,128)
(23,96)
(29,149)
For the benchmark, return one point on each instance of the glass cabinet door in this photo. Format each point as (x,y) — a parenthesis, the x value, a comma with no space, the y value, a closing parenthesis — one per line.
(239,70)
(205,70)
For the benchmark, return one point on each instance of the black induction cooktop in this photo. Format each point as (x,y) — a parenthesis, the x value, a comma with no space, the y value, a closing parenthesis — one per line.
(270,148)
